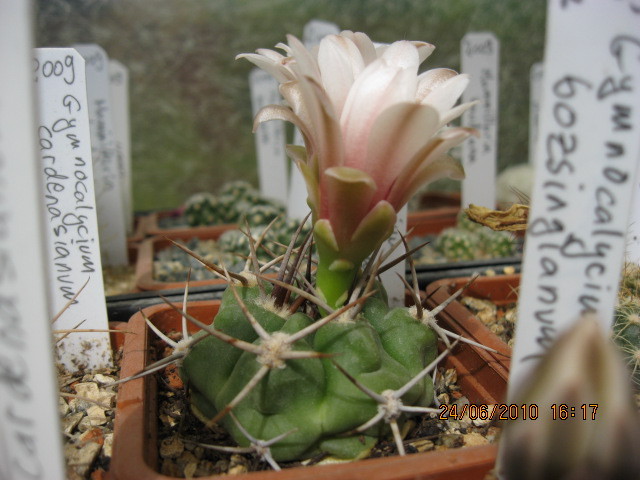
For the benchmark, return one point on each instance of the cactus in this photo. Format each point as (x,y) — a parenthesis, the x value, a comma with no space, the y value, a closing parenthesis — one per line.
(626,327)
(238,189)
(457,244)
(626,333)
(272,366)
(384,348)
(202,209)
(496,244)
(463,222)
(231,208)
(261,214)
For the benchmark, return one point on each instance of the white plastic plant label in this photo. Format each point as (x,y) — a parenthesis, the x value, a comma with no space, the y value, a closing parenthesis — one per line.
(535,92)
(73,244)
(269,137)
(392,284)
(107,171)
(480,54)
(587,156)
(314,31)
(119,94)
(30,438)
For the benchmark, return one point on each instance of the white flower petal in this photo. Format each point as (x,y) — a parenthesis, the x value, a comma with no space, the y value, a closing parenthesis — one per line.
(378,87)
(275,68)
(424,50)
(455,112)
(305,64)
(323,124)
(364,44)
(441,167)
(397,135)
(402,54)
(272,54)
(445,96)
(340,63)
(408,180)
(431,79)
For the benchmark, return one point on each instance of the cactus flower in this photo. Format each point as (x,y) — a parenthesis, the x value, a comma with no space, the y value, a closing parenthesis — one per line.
(588,426)
(375,131)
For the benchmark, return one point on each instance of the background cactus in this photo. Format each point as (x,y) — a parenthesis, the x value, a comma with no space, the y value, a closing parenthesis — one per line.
(469,240)
(231,208)
(457,244)
(202,209)
(261,214)
(496,244)
(627,335)
(238,189)
(626,327)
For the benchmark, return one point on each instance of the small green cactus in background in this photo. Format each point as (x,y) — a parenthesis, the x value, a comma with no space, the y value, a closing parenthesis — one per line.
(457,244)
(469,240)
(202,209)
(626,333)
(238,189)
(286,229)
(231,208)
(261,215)
(463,222)
(495,244)
(626,327)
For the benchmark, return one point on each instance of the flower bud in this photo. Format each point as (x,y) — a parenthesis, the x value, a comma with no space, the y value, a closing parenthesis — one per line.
(587,426)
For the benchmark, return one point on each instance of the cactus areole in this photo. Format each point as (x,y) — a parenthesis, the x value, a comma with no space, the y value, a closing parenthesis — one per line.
(316,358)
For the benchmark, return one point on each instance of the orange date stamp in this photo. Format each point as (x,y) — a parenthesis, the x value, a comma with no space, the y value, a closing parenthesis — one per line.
(499,411)
(504,411)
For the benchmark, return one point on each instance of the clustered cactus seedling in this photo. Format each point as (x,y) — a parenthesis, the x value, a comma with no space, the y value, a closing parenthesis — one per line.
(469,240)
(626,328)
(202,209)
(235,201)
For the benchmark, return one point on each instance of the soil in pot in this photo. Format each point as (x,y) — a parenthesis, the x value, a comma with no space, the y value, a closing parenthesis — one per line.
(86,403)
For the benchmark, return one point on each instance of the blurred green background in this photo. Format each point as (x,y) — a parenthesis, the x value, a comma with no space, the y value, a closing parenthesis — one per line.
(190,107)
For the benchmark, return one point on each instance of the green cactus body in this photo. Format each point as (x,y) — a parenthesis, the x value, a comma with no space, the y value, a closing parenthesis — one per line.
(202,209)
(626,333)
(382,348)
(238,189)
(463,222)
(236,242)
(261,214)
(231,208)
(496,244)
(457,244)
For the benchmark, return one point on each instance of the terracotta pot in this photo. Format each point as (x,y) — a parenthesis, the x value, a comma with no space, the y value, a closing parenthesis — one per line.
(500,289)
(135,436)
(152,226)
(426,222)
(151,246)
